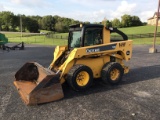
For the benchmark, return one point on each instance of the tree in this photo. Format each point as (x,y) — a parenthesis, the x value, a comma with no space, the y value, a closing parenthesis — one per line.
(1,23)
(32,25)
(62,24)
(59,27)
(126,21)
(48,23)
(75,22)
(116,23)
(15,22)
(86,22)
(38,19)
(136,21)
(108,23)
(96,22)
(7,20)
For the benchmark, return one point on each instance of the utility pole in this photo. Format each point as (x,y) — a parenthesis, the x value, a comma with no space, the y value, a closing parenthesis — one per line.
(21,25)
(153,49)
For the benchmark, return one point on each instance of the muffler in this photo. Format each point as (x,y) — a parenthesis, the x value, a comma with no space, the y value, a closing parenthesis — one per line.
(37,84)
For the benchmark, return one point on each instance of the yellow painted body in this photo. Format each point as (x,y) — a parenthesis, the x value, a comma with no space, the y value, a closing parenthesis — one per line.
(95,60)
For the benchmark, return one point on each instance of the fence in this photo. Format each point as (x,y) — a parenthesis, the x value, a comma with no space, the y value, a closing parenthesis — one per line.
(137,38)
(130,36)
(56,36)
(39,40)
(61,39)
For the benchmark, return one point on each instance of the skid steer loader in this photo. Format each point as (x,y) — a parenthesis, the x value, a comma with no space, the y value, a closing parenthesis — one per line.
(90,53)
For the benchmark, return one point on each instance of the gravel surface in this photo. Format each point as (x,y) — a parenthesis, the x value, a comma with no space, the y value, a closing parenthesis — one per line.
(136,98)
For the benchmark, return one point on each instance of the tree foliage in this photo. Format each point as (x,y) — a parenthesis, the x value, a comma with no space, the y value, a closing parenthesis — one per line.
(11,22)
(32,25)
(128,21)
(48,23)
(7,20)
(108,23)
(116,23)
(136,21)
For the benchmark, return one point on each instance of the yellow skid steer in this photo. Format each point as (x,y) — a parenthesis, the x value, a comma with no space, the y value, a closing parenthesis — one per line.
(90,53)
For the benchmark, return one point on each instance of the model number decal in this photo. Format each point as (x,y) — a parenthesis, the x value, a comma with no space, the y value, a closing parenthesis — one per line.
(93,50)
(122,44)
(101,48)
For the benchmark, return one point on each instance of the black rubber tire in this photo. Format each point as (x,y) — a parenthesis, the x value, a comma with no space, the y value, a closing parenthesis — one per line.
(73,73)
(106,73)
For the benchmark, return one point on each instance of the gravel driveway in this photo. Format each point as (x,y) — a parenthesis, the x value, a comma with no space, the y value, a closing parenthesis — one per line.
(136,98)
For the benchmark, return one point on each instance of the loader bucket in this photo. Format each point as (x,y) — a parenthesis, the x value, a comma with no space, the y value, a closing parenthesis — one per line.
(37,84)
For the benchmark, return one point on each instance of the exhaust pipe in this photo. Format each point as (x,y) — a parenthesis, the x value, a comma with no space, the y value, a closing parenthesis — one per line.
(37,84)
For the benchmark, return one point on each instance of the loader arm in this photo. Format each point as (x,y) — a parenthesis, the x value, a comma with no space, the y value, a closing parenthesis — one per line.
(59,51)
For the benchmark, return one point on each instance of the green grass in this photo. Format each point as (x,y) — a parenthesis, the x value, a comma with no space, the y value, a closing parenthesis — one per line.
(142,30)
(15,37)
(38,40)
(148,41)
(12,35)
(42,39)
(139,30)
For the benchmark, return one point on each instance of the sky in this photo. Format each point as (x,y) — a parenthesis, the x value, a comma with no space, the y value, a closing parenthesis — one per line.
(82,10)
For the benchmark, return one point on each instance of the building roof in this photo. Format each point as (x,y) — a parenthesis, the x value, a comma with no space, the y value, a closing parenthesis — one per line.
(155,14)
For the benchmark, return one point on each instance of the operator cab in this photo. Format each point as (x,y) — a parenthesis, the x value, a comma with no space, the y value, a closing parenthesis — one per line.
(86,35)
(92,34)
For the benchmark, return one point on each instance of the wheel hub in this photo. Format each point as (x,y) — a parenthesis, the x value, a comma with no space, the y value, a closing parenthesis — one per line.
(82,78)
(114,74)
